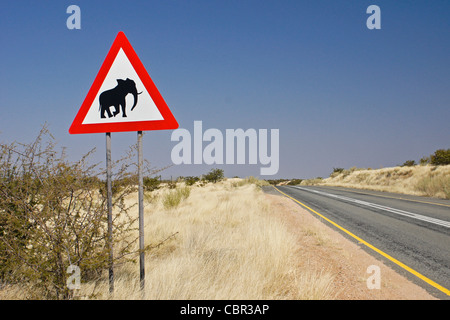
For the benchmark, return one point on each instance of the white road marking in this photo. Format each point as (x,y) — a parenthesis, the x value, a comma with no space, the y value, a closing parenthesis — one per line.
(377,206)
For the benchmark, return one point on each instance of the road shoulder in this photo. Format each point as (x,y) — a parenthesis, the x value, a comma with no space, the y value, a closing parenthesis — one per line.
(326,249)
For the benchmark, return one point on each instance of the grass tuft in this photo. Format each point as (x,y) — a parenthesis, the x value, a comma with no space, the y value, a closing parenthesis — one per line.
(174,197)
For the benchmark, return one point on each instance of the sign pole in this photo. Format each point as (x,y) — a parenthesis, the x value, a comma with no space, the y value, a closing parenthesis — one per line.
(109,200)
(123,65)
(141,212)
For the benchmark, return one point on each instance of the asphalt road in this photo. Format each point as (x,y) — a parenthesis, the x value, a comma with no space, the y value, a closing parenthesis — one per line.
(414,231)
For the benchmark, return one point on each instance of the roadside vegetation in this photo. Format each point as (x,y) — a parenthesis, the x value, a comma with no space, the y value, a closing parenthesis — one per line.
(206,237)
(430,177)
(289,182)
(52,215)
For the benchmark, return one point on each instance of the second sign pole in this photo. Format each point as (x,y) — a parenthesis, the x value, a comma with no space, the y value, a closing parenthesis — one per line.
(141,212)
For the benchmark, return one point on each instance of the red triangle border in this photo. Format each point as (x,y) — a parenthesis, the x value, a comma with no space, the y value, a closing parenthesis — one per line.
(168,122)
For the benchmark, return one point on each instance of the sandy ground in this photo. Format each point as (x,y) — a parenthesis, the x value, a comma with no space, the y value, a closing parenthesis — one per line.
(326,249)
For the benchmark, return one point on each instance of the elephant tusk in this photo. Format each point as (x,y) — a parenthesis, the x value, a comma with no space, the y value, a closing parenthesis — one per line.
(139,92)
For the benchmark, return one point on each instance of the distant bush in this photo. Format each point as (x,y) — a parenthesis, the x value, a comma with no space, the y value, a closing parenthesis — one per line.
(440,157)
(336,172)
(276,181)
(424,161)
(215,175)
(295,182)
(408,163)
(151,184)
(191,180)
(172,184)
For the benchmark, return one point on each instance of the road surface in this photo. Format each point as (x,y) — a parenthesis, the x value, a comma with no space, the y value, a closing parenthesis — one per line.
(409,233)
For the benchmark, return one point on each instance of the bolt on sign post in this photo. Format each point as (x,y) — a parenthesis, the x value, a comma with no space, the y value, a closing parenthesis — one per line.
(123,98)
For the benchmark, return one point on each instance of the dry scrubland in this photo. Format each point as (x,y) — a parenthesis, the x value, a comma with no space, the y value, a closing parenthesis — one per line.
(219,241)
(227,246)
(421,180)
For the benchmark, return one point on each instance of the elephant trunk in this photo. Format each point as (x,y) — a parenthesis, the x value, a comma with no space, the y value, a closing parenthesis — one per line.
(135,95)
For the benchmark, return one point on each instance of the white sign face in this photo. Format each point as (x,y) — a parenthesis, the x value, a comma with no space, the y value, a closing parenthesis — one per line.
(115,99)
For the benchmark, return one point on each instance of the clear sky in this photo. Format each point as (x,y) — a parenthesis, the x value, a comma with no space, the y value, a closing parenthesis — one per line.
(340,94)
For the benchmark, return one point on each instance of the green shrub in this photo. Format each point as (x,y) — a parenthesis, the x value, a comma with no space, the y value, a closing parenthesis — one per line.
(52,215)
(151,184)
(408,163)
(171,184)
(424,160)
(191,180)
(440,157)
(215,175)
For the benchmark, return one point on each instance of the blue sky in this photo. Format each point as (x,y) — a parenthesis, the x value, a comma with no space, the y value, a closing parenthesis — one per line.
(340,94)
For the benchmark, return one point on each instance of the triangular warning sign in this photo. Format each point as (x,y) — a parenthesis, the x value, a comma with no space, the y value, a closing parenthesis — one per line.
(123,97)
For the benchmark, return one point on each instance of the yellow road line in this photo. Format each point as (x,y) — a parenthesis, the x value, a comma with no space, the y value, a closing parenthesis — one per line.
(414,272)
(398,198)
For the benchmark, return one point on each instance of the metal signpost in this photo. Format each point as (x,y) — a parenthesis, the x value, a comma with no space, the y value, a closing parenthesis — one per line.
(109,205)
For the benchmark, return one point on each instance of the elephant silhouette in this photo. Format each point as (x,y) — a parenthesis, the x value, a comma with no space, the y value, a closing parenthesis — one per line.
(116,97)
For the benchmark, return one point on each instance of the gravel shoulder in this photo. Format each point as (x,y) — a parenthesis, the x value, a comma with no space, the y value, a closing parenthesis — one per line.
(325,249)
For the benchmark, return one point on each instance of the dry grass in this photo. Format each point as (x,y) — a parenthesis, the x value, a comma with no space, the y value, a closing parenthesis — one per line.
(223,243)
(432,181)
